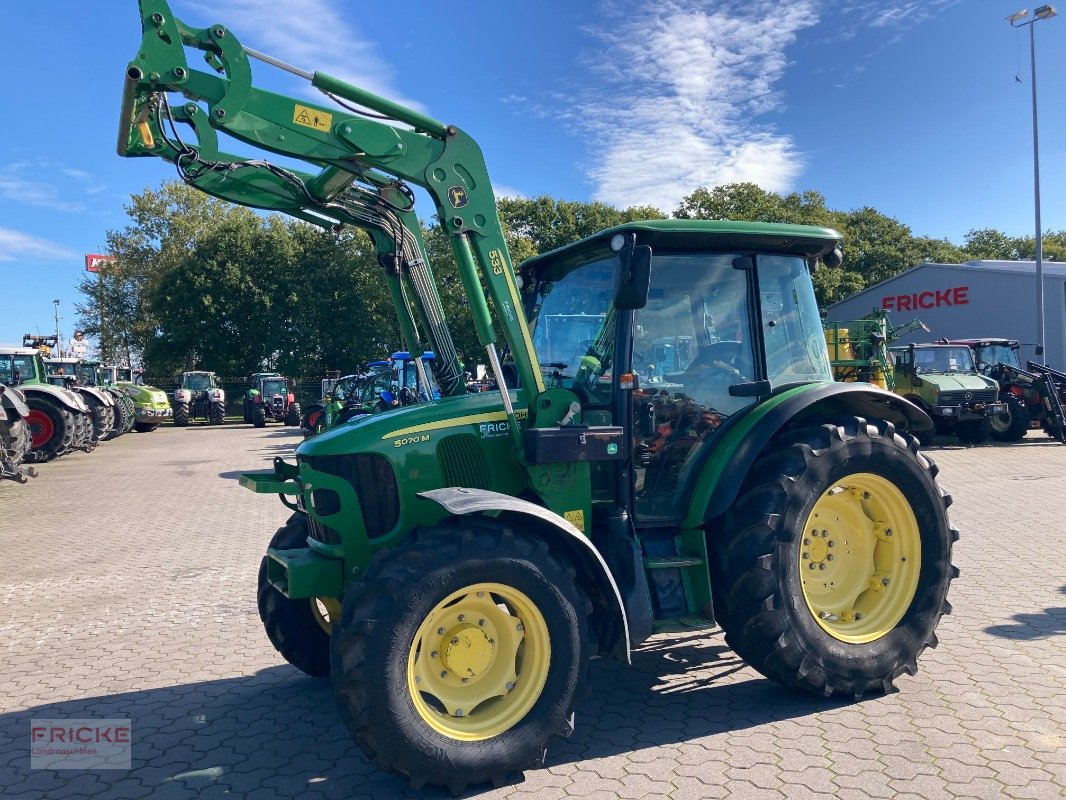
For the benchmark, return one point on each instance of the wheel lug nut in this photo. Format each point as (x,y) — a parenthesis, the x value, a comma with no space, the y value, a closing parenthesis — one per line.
(462,617)
(458,712)
(455,640)
(444,674)
(434,654)
(480,594)
(520,627)
(825,533)
(806,541)
(806,555)
(829,557)
(466,680)
(858,615)
(813,565)
(440,631)
(884,581)
(821,566)
(831,543)
(481,622)
(510,685)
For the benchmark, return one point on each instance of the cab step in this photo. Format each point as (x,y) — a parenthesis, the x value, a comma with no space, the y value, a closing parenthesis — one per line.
(682,624)
(672,562)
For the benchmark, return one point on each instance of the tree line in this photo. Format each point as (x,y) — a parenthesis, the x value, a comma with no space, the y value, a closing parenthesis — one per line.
(201,283)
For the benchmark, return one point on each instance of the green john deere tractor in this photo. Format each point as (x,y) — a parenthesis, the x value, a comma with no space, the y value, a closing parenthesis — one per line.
(270,399)
(453,565)
(199,395)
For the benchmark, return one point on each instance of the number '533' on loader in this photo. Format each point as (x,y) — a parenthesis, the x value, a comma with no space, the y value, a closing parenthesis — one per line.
(453,566)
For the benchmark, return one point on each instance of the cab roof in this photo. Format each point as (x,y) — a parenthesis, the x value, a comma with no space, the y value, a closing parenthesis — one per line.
(694,235)
(982,342)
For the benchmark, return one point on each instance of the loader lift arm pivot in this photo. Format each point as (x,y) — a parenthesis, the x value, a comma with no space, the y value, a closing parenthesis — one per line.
(347,146)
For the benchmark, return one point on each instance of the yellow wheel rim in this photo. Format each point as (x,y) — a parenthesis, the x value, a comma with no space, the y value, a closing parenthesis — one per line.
(479,662)
(326,611)
(860,555)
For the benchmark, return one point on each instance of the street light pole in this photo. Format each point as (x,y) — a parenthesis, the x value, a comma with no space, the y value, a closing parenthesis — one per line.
(1043,12)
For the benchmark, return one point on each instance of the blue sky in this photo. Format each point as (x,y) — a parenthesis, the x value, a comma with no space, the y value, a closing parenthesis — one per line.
(910,107)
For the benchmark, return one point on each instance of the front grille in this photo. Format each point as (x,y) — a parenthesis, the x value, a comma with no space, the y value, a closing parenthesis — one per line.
(967,397)
(462,463)
(374,481)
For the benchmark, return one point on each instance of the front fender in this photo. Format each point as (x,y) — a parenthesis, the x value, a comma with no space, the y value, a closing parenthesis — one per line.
(102,397)
(65,398)
(729,461)
(613,628)
(12,399)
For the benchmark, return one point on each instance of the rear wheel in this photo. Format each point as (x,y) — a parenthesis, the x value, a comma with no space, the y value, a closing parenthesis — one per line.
(98,416)
(833,567)
(460,654)
(119,418)
(1013,424)
(259,416)
(14,444)
(975,431)
(131,414)
(217,414)
(292,415)
(181,415)
(51,433)
(298,629)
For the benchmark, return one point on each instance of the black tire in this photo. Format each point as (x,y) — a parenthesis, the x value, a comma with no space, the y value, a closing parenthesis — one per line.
(98,417)
(246,410)
(181,415)
(292,415)
(382,614)
(217,413)
(1012,426)
(84,436)
(131,414)
(145,427)
(974,431)
(14,445)
(291,625)
(61,422)
(925,438)
(119,413)
(259,416)
(756,548)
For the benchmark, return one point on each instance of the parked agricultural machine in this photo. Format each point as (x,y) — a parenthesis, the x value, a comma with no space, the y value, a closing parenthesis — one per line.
(150,404)
(943,380)
(1033,397)
(77,376)
(453,565)
(859,349)
(385,385)
(270,399)
(199,396)
(14,435)
(59,420)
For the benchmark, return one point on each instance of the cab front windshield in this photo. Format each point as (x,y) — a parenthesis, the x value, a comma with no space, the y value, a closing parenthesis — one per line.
(990,355)
(16,368)
(198,382)
(942,359)
(271,388)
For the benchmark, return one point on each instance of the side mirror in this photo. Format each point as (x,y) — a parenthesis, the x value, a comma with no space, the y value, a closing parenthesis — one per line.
(634,278)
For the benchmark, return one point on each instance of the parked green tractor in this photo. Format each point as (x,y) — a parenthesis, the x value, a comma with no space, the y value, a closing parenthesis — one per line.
(270,400)
(385,385)
(58,419)
(944,382)
(453,565)
(149,403)
(199,396)
(79,376)
(92,373)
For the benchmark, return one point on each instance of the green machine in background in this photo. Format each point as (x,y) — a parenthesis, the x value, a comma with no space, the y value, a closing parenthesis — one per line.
(453,565)
(150,404)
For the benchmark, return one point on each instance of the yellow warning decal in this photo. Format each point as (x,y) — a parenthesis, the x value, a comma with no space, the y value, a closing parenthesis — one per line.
(312,118)
(575,518)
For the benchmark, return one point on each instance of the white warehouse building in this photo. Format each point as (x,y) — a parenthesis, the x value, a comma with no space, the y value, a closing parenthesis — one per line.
(970,301)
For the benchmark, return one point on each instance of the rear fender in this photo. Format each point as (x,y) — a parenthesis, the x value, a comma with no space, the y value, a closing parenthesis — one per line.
(13,400)
(65,398)
(608,616)
(101,397)
(727,473)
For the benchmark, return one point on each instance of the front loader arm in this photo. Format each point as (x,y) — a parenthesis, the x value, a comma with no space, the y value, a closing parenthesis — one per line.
(442,159)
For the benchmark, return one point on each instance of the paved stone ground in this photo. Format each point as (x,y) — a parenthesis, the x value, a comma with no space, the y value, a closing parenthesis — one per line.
(127,589)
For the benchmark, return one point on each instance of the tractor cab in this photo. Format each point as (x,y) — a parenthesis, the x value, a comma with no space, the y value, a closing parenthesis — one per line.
(723,317)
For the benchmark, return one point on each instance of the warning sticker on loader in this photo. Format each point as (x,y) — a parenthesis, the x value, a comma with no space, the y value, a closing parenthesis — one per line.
(312,118)
(575,518)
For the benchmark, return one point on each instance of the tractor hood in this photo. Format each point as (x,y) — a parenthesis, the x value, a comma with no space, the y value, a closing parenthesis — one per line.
(481,415)
(950,382)
(144,394)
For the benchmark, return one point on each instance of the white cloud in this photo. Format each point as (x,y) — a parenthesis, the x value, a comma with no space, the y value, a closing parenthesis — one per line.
(901,13)
(18,246)
(21,183)
(503,190)
(682,86)
(311,34)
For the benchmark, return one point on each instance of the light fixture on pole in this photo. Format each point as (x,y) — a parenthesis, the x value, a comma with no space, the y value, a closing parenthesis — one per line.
(59,342)
(1043,12)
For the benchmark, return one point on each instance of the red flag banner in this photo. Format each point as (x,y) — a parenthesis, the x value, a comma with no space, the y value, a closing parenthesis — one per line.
(93,261)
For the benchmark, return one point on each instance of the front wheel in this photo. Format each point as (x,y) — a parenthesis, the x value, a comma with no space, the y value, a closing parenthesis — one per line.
(298,629)
(259,416)
(181,415)
(292,415)
(833,567)
(1012,425)
(459,654)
